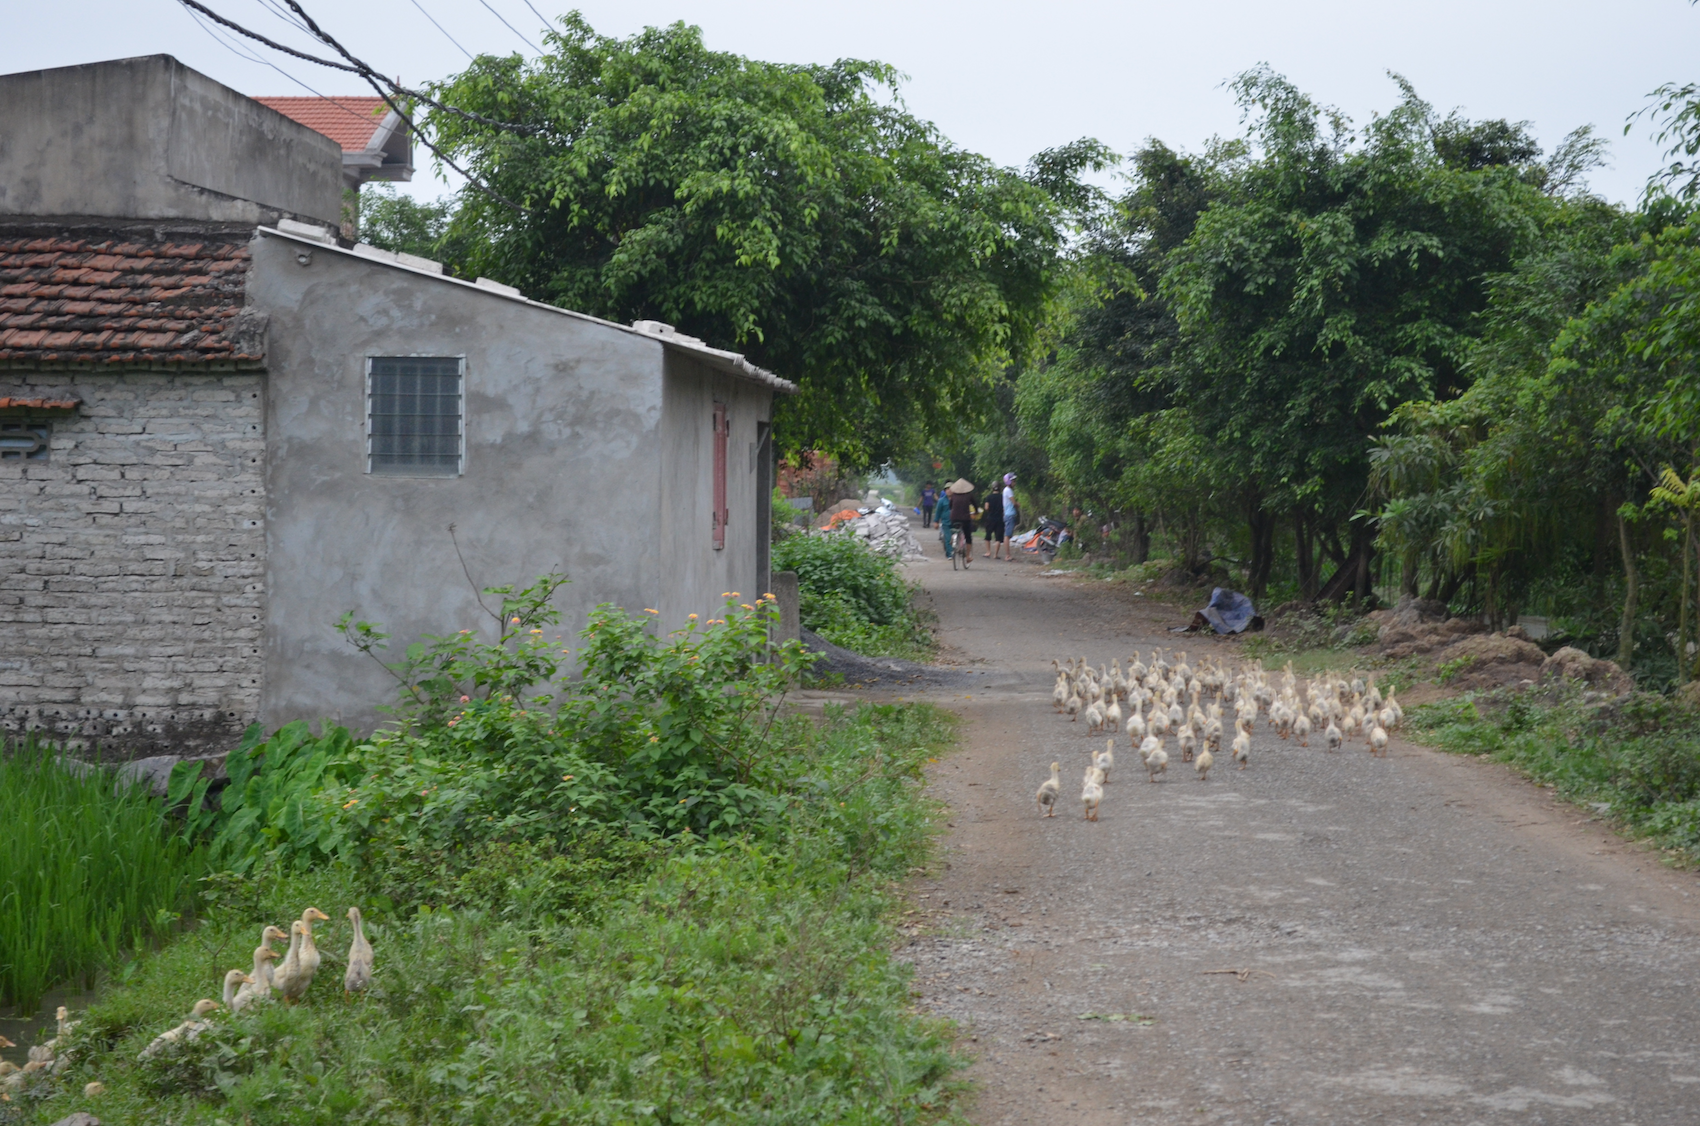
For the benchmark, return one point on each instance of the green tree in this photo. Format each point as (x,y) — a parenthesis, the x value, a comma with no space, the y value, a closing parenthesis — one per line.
(1339,278)
(393,221)
(797,213)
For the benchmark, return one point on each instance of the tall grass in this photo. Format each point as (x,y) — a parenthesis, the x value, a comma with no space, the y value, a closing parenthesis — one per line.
(88,869)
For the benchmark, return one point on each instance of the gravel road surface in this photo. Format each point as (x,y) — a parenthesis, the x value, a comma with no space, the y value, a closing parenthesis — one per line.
(1319,938)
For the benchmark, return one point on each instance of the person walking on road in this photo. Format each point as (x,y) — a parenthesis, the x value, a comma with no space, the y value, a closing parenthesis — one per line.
(993,519)
(929,499)
(941,517)
(962,517)
(1011,513)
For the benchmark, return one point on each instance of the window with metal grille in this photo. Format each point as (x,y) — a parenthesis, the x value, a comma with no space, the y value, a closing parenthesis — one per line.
(413,415)
(24,439)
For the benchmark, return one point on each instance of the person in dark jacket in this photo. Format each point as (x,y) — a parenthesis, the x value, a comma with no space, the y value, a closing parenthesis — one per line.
(991,515)
(962,517)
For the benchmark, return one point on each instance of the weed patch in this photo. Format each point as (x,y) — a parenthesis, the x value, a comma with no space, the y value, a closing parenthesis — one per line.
(1637,759)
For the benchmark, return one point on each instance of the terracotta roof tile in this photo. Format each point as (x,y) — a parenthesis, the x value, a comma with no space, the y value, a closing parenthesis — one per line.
(100,300)
(350,122)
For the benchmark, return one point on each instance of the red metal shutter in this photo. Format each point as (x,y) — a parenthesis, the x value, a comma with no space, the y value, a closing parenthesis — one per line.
(721,428)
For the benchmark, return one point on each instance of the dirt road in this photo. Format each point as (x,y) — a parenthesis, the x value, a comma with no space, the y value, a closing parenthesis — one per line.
(1421,938)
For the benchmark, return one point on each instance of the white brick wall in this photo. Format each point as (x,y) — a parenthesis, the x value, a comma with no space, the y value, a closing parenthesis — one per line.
(132,562)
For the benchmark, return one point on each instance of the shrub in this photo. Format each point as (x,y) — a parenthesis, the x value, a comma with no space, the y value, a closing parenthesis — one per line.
(853,596)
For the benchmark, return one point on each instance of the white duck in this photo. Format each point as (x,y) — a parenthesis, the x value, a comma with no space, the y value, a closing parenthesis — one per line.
(189,1029)
(1049,790)
(359,974)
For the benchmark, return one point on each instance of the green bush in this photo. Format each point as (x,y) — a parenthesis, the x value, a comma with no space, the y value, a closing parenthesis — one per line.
(88,871)
(742,979)
(853,596)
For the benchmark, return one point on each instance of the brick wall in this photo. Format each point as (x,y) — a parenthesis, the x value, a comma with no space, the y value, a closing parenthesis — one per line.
(132,562)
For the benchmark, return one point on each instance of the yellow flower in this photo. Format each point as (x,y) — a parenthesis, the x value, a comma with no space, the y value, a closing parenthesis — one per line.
(566,777)
(647,610)
(655,738)
(735,594)
(693,617)
(771,595)
(746,606)
(350,802)
(515,621)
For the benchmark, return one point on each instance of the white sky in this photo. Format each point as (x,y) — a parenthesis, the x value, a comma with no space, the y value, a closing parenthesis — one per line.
(1010,79)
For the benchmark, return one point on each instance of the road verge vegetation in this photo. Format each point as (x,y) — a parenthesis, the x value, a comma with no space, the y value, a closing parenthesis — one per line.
(853,596)
(645,893)
(1634,760)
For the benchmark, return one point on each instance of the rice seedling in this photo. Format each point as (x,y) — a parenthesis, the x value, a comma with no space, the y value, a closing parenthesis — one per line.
(89,868)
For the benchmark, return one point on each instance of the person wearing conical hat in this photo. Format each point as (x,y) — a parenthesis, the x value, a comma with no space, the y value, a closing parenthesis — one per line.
(962,516)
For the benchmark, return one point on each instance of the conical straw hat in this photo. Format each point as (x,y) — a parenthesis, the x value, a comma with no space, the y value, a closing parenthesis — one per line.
(962,485)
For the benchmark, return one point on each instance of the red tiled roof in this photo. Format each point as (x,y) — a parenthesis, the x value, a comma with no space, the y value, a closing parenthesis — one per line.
(80,300)
(40,404)
(350,122)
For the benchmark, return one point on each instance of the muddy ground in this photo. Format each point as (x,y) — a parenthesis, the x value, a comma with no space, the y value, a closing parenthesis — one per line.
(1319,938)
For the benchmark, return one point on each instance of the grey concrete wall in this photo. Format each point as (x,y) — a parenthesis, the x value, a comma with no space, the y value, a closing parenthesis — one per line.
(563,470)
(698,574)
(131,609)
(148,138)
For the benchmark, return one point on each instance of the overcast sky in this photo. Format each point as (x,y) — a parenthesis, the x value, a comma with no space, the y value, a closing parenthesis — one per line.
(1008,79)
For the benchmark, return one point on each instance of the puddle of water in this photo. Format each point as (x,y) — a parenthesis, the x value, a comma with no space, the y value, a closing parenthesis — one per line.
(25,1030)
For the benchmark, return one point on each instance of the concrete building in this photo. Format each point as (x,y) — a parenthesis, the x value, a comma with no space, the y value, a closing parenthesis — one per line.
(221,427)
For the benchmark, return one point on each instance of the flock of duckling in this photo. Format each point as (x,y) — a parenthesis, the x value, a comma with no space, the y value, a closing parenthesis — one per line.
(289,979)
(1152,693)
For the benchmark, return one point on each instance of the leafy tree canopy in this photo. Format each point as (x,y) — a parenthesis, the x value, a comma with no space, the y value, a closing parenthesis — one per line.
(796,213)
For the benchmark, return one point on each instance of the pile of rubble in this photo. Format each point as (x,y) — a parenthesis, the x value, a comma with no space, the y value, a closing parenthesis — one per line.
(1486,660)
(886,530)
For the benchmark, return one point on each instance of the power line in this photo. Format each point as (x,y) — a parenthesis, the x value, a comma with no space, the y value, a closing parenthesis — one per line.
(511,27)
(442,29)
(539,15)
(385,88)
(378,82)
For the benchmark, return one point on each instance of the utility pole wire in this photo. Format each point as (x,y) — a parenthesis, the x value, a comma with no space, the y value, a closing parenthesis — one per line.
(273,44)
(539,15)
(442,29)
(509,26)
(384,87)
(378,83)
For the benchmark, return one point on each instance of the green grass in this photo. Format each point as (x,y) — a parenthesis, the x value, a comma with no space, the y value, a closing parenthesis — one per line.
(88,871)
(1636,761)
(744,980)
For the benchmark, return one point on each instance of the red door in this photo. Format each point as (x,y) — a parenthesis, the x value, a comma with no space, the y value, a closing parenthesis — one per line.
(721,428)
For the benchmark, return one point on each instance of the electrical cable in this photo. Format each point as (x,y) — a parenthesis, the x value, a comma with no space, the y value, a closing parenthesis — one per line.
(441,28)
(254,35)
(539,15)
(378,83)
(511,27)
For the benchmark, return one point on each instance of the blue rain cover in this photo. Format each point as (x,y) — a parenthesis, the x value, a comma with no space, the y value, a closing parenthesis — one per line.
(1229,611)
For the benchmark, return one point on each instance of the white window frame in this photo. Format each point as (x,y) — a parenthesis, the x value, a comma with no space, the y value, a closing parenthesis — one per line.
(460,427)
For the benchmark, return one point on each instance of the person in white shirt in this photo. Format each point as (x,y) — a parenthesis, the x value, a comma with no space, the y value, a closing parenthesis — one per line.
(1009,512)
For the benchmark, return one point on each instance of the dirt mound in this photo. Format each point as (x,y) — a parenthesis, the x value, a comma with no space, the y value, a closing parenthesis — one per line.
(1492,661)
(1397,640)
(1602,675)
